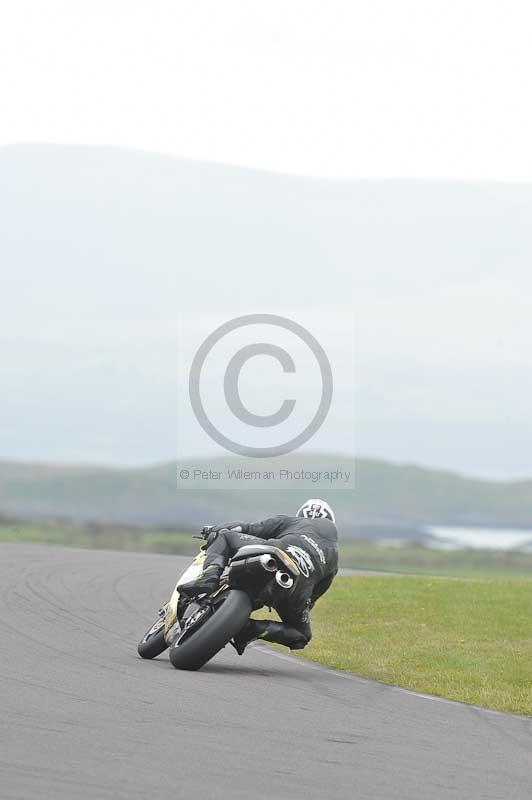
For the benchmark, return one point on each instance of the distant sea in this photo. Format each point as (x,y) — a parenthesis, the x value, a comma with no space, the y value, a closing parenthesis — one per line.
(453,538)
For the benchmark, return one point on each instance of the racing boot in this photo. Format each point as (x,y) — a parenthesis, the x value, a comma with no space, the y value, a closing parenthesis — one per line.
(208,582)
(269,631)
(253,629)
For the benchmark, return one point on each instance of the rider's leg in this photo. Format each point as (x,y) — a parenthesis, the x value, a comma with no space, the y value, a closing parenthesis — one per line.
(295,633)
(220,548)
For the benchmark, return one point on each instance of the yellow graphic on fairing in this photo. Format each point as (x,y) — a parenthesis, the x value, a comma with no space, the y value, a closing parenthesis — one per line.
(191,573)
(200,558)
(288,561)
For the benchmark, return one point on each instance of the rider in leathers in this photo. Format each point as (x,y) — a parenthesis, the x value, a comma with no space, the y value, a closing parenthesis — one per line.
(310,538)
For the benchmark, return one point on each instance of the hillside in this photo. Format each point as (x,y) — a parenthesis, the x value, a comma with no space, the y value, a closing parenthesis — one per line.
(110,256)
(389,497)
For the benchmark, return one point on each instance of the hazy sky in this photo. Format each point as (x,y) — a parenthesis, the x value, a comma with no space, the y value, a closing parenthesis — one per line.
(345,89)
(120,263)
(384,89)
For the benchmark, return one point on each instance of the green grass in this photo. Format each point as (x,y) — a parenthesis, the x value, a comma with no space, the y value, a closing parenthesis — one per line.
(465,639)
(101,537)
(355,553)
(417,559)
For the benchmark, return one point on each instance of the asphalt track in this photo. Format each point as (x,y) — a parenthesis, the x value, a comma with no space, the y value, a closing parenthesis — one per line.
(81,716)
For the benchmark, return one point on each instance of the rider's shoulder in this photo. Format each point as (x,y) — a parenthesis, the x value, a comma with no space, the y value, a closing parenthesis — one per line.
(326,528)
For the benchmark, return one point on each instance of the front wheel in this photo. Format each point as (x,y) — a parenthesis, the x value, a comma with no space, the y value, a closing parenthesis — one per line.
(153,643)
(230,616)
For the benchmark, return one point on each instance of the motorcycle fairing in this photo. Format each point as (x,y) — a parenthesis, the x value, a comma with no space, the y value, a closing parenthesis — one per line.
(190,574)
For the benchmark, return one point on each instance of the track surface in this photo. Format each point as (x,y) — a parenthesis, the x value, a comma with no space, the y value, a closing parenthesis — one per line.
(81,716)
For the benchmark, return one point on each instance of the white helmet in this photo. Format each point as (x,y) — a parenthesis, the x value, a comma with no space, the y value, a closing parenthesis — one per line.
(316,509)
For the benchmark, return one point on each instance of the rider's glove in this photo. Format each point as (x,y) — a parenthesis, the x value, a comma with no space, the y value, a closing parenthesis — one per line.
(231,526)
(210,532)
(213,534)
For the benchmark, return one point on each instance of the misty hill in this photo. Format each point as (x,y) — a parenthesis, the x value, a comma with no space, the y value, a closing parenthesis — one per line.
(391,497)
(103,249)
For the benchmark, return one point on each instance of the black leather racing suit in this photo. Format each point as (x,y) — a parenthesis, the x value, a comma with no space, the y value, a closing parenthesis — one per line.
(312,543)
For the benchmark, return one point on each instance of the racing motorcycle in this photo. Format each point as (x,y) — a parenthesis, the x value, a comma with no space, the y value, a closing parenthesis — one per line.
(195,629)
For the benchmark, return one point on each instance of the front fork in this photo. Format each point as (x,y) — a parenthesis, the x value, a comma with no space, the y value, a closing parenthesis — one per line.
(171,624)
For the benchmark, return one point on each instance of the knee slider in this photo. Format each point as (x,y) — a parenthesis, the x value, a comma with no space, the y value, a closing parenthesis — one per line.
(296,640)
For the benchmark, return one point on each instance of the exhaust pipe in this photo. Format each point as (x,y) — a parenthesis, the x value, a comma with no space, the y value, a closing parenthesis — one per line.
(268,562)
(284,580)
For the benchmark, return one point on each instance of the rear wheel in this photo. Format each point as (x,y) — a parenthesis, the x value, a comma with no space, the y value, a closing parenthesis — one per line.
(229,617)
(153,643)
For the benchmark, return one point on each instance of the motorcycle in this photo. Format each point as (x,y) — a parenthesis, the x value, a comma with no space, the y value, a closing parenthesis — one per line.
(195,629)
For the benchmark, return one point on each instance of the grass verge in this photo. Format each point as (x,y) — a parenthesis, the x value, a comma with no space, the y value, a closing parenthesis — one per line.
(468,640)
(354,553)
(421,560)
(101,537)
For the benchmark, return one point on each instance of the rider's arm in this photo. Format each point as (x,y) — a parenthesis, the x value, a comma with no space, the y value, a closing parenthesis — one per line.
(269,528)
(231,526)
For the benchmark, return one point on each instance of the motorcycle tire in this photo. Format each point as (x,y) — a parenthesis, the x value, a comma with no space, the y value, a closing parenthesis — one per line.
(229,618)
(153,643)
